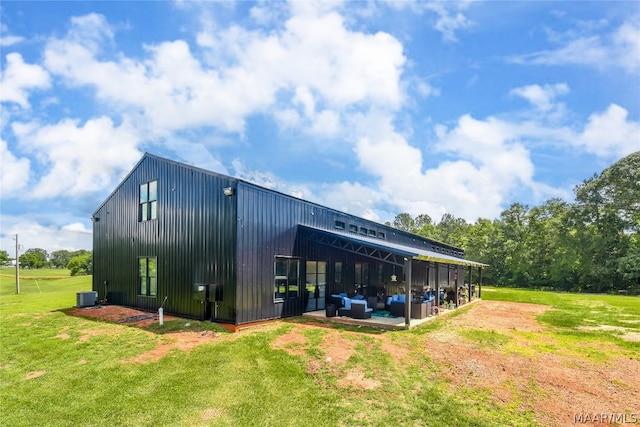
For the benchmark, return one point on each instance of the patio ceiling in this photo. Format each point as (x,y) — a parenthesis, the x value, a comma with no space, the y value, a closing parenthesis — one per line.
(382,250)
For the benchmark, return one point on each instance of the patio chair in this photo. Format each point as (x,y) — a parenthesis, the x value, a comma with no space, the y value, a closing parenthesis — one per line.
(360,311)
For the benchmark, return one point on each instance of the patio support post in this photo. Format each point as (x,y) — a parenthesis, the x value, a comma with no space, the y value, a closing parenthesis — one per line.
(456,284)
(479,282)
(470,282)
(438,286)
(407,300)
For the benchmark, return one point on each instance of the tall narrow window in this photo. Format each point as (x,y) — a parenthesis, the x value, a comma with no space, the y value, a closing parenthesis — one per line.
(287,278)
(148,201)
(362,277)
(148,276)
(337,269)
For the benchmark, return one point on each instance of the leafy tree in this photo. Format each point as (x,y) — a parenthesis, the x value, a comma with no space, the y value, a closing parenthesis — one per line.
(425,227)
(34,258)
(452,230)
(81,264)
(404,222)
(60,259)
(481,237)
(4,257)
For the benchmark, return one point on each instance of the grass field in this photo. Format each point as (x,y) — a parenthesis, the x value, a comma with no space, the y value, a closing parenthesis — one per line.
(61,370)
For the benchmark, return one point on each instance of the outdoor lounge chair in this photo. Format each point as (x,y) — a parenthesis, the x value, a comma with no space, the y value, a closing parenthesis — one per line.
(357,310)
(360,311)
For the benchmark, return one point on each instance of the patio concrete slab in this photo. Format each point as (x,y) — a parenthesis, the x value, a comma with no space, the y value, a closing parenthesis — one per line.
(388,323)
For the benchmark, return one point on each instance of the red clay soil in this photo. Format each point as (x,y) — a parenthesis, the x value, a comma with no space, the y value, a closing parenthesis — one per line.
(182,340)
(557,384)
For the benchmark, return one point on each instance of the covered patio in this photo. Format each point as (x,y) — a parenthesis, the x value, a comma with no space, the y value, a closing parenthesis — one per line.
(386,323)
(432,282)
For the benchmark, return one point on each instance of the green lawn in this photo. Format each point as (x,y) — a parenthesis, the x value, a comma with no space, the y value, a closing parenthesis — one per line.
(575,310)
(235,380)
(580,317)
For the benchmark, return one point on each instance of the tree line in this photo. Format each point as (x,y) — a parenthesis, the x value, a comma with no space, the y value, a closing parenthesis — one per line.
(78,262)
(588,245)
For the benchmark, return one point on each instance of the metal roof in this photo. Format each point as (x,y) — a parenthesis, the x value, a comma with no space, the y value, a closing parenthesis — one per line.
(403,250)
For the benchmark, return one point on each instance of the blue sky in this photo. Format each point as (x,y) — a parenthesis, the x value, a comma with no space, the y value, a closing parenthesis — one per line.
(374,108)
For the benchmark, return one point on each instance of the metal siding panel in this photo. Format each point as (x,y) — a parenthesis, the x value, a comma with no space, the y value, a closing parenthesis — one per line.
(193,239)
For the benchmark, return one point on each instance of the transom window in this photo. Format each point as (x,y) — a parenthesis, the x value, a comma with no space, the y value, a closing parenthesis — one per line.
(148,276)
(148,201)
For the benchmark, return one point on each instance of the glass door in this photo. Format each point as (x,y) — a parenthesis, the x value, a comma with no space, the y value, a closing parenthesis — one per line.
(316,285)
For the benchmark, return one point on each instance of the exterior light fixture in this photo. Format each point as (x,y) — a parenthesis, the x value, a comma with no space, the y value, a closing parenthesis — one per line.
(394,278)
(228,191)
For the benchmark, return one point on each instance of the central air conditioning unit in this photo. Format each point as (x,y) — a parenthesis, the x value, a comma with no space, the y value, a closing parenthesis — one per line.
(86,299)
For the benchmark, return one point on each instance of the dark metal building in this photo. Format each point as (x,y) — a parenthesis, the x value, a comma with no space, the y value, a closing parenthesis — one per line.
(208,246)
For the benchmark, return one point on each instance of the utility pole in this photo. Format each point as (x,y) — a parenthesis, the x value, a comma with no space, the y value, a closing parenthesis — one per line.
(17,265)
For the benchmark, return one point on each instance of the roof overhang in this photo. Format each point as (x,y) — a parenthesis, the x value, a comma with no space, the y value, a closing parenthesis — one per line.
(343,240)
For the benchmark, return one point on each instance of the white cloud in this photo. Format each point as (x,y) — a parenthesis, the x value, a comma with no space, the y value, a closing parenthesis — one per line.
(450,16)
(627,45)
(610,134)
(491,157)
(78,159)
(352,197)
(263,179)
(619,49)
(76,227)
(541,97)
(14,174)
(328,69)
(19,78)
(7,39)
(33,234)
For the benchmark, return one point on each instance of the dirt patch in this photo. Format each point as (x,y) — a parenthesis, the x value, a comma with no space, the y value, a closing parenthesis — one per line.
(357,379)
(554,386)
(183,340)
(502,316)
(336,348)
(631,336)
(293,342)
(602,328)
(118,314)
(34,374)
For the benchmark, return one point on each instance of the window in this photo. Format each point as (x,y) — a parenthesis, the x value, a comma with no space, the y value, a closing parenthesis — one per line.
(287,278)
(363,230)
(362,277)
(148,276)
(340,225)
(338,286)
(381,234)
(148,201)
(353,228)
(338,272)
(372,233)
